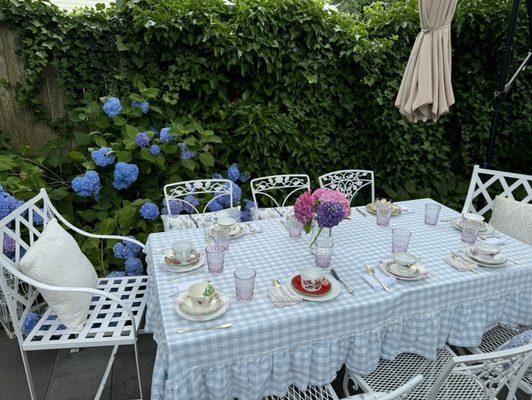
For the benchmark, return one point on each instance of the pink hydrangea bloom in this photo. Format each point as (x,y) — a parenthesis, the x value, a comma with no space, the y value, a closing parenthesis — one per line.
(304,208)
(327,195)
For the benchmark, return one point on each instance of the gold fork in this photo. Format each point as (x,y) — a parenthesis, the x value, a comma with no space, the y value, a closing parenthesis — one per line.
(371,271)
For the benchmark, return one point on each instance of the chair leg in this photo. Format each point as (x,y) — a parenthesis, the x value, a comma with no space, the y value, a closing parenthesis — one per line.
(29,378)
(138,367)
(106,373)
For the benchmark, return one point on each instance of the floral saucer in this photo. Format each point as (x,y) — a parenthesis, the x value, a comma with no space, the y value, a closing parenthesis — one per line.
(195,316)
(486,228)
(372,208)
(325,288)
(236,231)
(331,294)
(190,308)
(415,272)
(196,261)
(498,261)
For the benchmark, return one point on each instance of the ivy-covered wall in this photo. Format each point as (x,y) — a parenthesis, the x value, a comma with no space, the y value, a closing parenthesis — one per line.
(287,85)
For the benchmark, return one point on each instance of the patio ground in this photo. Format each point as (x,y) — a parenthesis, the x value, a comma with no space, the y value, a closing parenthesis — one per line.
(61,375)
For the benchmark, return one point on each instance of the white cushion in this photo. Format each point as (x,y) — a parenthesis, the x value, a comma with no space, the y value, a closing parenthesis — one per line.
(56,259)
(512,218)
(270,212)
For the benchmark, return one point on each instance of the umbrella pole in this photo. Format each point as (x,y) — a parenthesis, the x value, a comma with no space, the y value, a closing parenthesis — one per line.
(504,87)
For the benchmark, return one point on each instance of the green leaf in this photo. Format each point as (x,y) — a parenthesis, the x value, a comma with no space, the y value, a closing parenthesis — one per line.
(206,159)
(107,226)
(189,164)
(100,141)
(149,92)
(82,139)
(77,156)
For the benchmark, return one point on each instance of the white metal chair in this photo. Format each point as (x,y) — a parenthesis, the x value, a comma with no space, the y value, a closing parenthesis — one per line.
(496,337)
(486,184)
(326,392)
(175,194)
(349,182)
(288,185)
(116,308)
(450,377)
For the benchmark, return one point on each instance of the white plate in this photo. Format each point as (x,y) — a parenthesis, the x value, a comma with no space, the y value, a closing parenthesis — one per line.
(334,292)
(206,317)
(236,231)
(178,268)
(372,208)
(498,261)
(389,261)
(186,305)
(486,228)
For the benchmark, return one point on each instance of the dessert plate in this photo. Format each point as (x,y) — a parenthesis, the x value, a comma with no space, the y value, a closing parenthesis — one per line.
(182,268)
(334,292)
(224,300)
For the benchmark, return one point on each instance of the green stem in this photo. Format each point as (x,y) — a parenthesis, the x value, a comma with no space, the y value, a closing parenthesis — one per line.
(316,237)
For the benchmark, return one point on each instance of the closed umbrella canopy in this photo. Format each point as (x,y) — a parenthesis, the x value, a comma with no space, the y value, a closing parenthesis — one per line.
(426,91)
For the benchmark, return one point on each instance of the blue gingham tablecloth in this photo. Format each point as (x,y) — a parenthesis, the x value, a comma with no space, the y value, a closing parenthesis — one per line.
(269,348)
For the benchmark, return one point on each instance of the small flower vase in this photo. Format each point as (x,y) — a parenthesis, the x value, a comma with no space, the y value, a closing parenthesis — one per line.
(315,233)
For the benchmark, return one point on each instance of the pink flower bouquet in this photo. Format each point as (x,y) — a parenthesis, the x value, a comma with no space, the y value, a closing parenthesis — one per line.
(327,207)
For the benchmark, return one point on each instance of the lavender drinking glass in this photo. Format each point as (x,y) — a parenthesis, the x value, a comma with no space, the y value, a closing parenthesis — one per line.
(400,240)
(294,227)
(221,236)
(323,250)
(384,212)
(244,283)
(215,258)
(432,213)
(470,230)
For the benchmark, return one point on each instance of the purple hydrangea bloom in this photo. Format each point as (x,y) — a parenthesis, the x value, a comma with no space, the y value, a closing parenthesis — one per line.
(165,136)
(215,206)
(87,185)
(37,219)
(143,105)
(149,211)
(124,175)
(155,150)
(112,107)
(175,207)
(126,249)
(188,202)
(216,175)
(103,156)
(186,154)
(8,203)
(142,139)
(116,274)
(9,246)
(233,173)
(244,177)
(154,130)
(134,266)
(29,323)
(245,215)
(329,214)
(237,196)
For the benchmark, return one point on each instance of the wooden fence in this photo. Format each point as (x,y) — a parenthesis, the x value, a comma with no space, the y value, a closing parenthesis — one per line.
(16,122)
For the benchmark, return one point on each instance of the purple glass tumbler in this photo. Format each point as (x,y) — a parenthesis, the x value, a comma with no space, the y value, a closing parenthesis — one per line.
(215,258)
(244,283)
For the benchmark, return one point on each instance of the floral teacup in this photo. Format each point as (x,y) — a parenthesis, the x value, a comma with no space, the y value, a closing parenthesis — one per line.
(312,279)
(201,294)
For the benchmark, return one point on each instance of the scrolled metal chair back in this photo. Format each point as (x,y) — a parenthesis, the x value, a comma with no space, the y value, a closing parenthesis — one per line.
(287,185)
(349,182)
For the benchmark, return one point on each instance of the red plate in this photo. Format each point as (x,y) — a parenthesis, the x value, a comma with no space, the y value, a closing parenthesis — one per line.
(325,288)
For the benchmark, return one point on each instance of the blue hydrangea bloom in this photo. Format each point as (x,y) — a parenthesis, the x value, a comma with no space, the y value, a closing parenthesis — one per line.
(29,323)
(143,105)
(187,208)
(116,274)
(245,215)
(8,203)
(126,249)
(154,130)
(112,107)
(214,206)
(149,211)
(37,219)
(244,177)
(124,175)
(103,156)
(155,150)
(186,154)
(134,266)
(233,173)
(237,196)
(175,207)
(165,136)
(8,246)
(132,248)
(216,175)
(142,139)
(87,185)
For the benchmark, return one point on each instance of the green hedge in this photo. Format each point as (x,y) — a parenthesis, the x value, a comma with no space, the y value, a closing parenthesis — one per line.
(288,86)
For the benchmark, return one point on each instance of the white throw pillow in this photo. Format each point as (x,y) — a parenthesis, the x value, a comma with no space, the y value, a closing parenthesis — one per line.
(56,259)
(512,218)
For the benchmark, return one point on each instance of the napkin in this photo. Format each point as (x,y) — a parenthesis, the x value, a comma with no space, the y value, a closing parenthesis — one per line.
(459,264)
(384,278)
(281,296)
(252,228)
(405,210)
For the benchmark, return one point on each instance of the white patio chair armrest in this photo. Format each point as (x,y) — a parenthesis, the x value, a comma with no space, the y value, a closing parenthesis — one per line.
(87,234)
(399,392)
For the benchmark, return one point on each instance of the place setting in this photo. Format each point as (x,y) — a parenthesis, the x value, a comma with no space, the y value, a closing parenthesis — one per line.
(182,257)
(483,255)
(313,284)
(202,301)
(225,229)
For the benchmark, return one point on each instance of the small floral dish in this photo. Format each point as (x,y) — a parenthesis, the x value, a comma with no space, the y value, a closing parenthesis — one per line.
(170,260)
(412,272)
(372,208)
(187,305)
(182,267)
(493,262)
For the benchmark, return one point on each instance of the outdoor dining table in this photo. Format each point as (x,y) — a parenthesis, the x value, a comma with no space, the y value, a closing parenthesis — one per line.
(269,348)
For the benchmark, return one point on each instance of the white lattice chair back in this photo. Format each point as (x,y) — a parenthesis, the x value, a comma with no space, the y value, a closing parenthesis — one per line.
(486,184)
(286,188)
(177,192)
(489,372)
(349,182)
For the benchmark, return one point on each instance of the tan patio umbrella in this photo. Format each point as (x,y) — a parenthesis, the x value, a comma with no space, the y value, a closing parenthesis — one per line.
(426,91)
